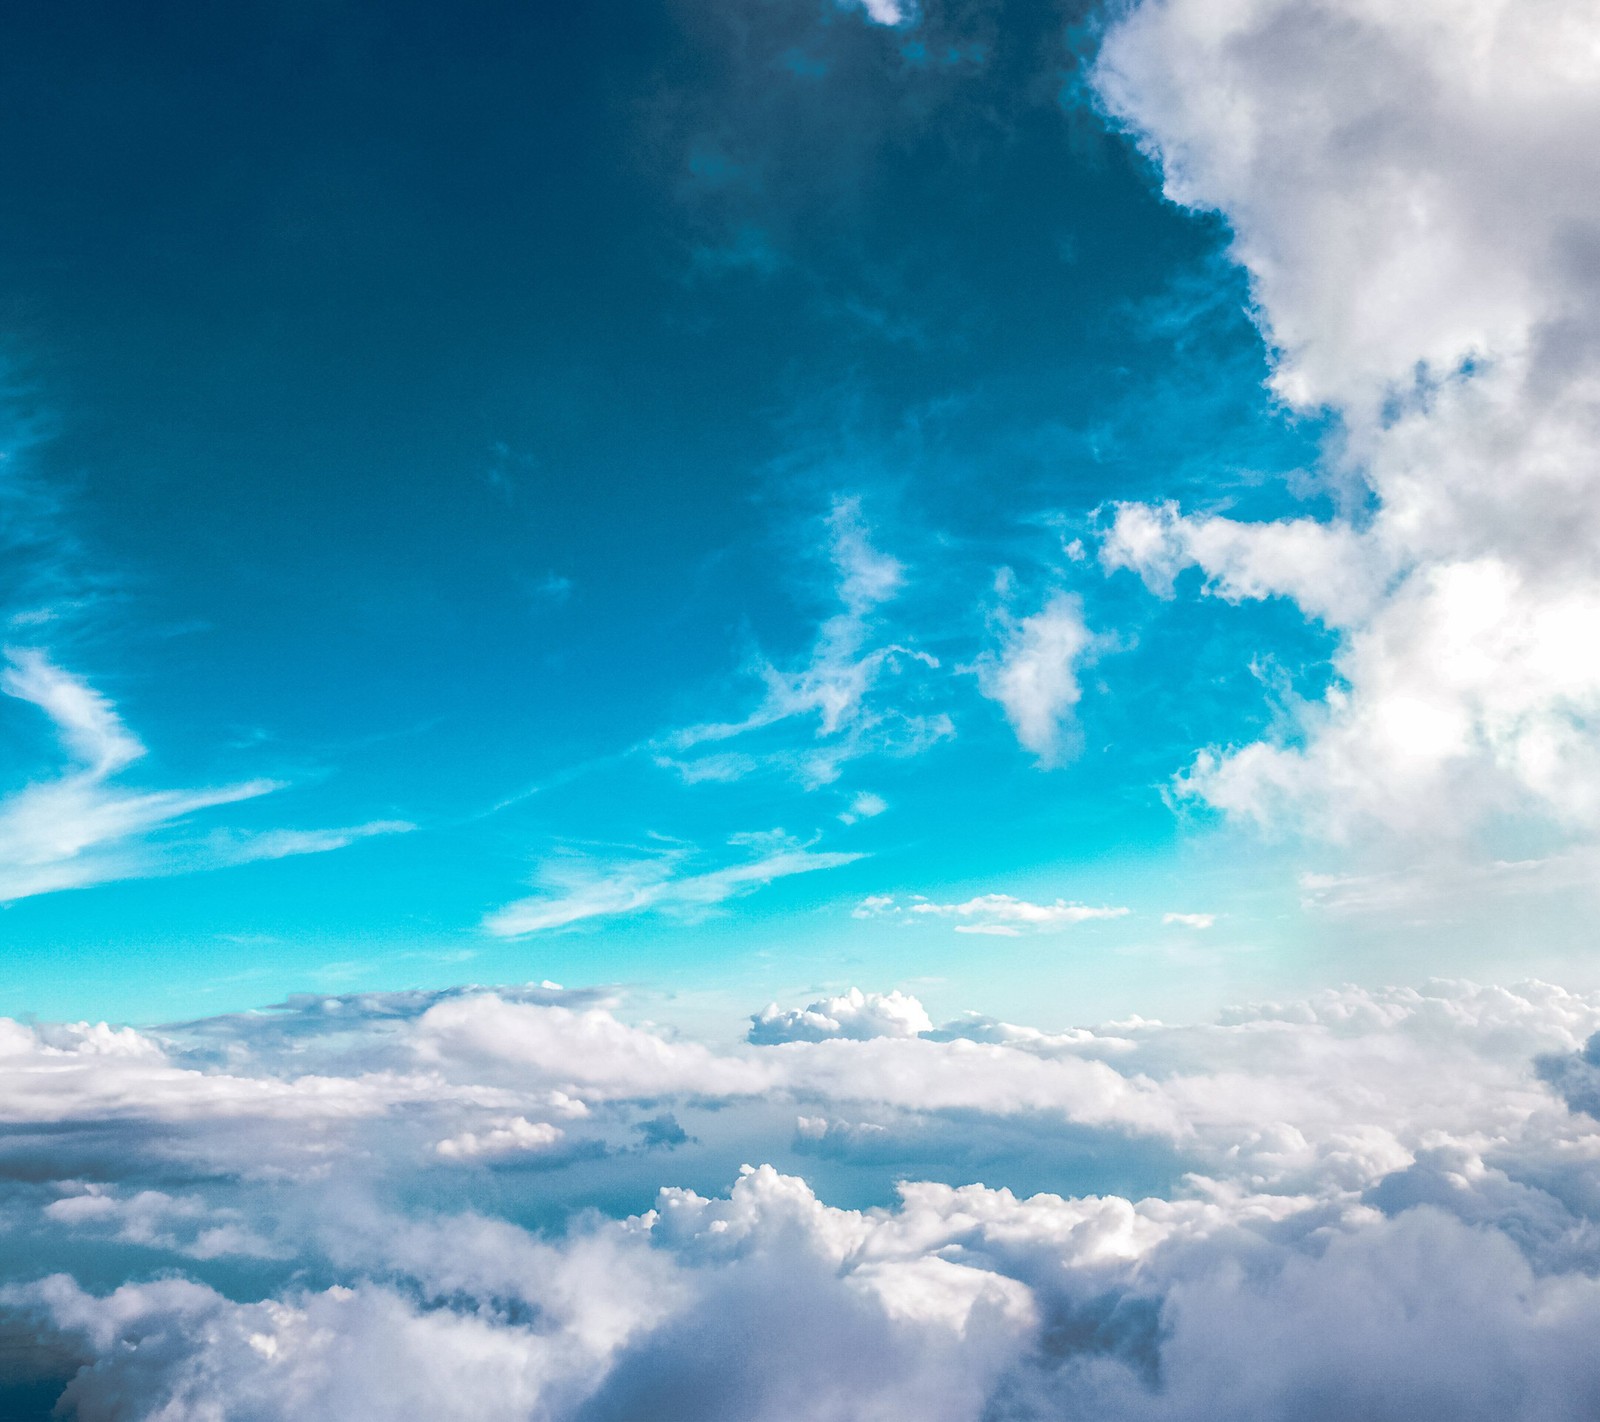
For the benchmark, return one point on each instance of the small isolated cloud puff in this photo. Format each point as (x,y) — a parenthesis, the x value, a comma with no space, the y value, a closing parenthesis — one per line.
(857,1016)
(865,806)
(883,12)
(1001,915)
(516,1136)
(1034,674)
(1190,920)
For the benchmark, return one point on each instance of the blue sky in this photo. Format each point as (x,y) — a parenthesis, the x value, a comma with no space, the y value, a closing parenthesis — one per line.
(800,709)
(508,466)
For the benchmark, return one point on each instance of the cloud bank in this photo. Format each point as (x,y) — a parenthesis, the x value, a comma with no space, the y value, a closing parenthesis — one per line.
(1411,195)
(1378,1203)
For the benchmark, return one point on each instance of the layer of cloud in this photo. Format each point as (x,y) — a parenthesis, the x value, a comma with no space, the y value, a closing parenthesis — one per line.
(1379,1197)
(1406,188)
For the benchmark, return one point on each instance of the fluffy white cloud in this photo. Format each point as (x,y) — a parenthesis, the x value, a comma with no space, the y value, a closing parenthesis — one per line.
(1034,674)
(1371,1196)
(505,1138)
(1409,192)
(1322,566)
(857,1015)
(865,806)
(585,1053)
(999,915)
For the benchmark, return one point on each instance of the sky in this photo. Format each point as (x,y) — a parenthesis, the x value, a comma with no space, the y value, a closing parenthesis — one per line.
(799,709)
(485,464)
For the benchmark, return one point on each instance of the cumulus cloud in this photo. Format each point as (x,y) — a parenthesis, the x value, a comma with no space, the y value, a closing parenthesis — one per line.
(1001,915)
(511,1137)
(856,1015)
(1373,1196)
(579,887)
(1418,218)
(1034,674)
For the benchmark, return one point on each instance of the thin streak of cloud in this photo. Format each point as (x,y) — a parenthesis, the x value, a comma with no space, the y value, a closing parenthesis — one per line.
(999,915)
(79,829)
(577,888)
(834,687)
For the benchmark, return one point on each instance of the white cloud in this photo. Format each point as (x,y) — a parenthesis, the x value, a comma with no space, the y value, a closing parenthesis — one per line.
(865,806)
(1322,566)
(1190,920)
(86,722)
(1034,675)
(241,848)
(1405,187)
(857,1016)
(882,12)
(1369,1195)
(577,888)
(584,1054)
(1002,915)
(515,1136)
(836,688)
(80,828)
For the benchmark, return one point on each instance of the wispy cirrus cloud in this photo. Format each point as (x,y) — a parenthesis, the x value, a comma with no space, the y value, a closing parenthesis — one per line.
(79,827)
(836,692)
(578,887)
(1001,915)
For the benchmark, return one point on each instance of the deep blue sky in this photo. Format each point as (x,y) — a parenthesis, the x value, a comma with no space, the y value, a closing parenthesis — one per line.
(420,408)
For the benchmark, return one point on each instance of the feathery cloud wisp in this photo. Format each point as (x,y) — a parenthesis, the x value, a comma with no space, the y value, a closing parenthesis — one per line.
(576,888)
(80,828)
(1001,915)
(835,689)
